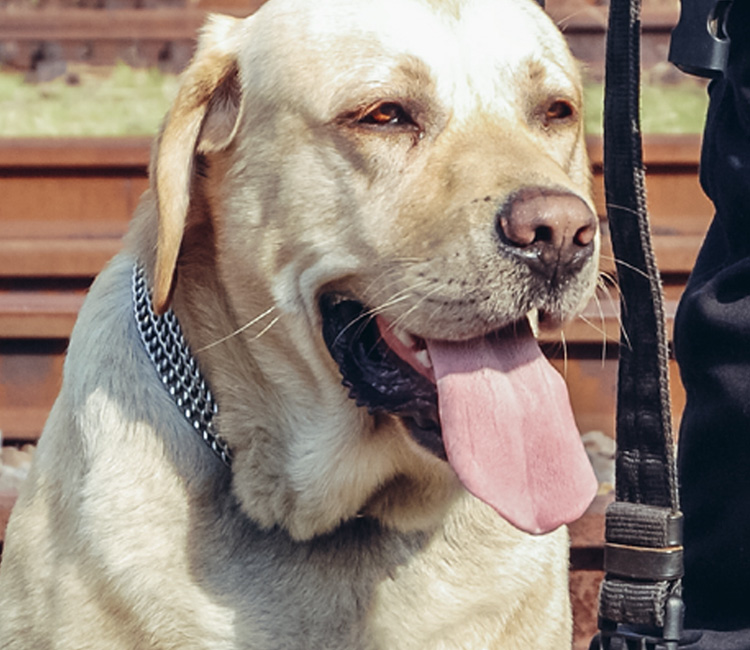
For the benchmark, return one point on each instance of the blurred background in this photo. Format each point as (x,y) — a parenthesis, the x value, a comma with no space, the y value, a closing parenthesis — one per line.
(83,87)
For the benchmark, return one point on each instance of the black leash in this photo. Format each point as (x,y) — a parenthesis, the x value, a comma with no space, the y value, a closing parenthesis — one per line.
(640,605)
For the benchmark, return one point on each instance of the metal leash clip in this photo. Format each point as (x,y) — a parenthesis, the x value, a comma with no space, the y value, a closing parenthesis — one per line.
(623,637)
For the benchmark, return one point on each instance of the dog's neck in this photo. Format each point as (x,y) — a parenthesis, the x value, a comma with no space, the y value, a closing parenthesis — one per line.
(176,366)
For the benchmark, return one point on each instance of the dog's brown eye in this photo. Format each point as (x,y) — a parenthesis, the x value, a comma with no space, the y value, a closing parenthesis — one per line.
(387,114)
(558,110)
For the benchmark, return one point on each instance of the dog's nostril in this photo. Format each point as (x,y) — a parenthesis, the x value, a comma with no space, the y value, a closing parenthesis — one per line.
(543,234)
(552,232)
(585,235)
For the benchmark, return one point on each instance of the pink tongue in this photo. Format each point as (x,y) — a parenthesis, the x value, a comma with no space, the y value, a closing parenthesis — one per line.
(509,431)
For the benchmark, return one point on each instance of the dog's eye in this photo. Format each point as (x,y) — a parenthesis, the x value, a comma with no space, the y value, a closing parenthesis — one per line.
(559,110)
(387,114)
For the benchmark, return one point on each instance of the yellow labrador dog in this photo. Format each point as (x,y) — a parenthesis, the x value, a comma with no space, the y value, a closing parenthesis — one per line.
(304,407)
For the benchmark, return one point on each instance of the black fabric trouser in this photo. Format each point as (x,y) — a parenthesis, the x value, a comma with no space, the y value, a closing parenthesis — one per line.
(712,346)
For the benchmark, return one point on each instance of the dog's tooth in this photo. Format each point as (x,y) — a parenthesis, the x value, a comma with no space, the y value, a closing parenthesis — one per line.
(424,358)
(533,318)
(404,336)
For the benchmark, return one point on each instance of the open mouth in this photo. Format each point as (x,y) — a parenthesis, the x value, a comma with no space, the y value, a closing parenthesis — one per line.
(377,376)
(390,370)
(492,406)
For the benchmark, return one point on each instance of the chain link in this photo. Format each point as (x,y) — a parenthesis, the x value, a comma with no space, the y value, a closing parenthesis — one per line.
(177,368)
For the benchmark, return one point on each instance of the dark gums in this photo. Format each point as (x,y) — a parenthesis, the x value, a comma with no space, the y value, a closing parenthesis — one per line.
(375,376)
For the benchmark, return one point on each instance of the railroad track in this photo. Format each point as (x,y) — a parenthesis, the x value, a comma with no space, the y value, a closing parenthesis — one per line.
(166,37)
(67,203)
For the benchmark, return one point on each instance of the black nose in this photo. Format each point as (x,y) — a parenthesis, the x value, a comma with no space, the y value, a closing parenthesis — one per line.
(553,232)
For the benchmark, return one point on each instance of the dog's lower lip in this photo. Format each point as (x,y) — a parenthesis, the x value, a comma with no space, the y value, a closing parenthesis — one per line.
(414,349)
(407,346)
(405,337)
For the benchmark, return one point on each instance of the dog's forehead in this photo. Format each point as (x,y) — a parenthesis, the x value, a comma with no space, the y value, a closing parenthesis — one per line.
(471,49)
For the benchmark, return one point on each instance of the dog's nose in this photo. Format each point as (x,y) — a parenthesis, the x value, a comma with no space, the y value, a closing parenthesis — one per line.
(553,232)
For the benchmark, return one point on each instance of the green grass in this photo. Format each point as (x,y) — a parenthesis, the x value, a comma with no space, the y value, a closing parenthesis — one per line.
(665,108)
(128,101)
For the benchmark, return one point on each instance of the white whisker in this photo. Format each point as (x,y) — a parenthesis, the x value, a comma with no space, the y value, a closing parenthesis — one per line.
(599,330)
(603,322)
(368,314)
(266,328)
(625,265)
(240,330)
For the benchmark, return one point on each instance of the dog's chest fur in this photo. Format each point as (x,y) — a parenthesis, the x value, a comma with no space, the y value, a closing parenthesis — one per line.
(363,587)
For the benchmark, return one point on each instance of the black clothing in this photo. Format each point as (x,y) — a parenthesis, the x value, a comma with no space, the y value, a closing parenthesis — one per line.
(712,346)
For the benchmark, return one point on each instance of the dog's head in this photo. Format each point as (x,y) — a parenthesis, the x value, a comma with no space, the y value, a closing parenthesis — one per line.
(391,188)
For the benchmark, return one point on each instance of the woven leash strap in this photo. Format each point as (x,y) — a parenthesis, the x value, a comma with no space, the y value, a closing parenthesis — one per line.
(639,599)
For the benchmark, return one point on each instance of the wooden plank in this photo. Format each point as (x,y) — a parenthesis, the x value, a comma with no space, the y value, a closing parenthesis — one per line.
(584,25)
(24,423)
(67,247)
(38,314)
(56,24)
(658,150)
(103,179)
(598,324)
(592,383)
(44,201)
(29,384)
(30,378)
(676,202)
(167,35)
(68,153)
(47,195)
(55,258)
(51,314)
(675,254)
(62,229)
(585,16)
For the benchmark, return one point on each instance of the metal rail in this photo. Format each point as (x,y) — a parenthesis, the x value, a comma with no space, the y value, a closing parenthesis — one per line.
(166,36)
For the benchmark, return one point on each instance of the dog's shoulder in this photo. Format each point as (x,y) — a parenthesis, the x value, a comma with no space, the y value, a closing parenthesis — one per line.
(106,499)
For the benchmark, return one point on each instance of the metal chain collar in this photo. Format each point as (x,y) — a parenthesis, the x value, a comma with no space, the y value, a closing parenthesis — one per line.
(163,340)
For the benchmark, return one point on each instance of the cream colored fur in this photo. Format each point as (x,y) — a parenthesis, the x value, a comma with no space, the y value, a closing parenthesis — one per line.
(333,529)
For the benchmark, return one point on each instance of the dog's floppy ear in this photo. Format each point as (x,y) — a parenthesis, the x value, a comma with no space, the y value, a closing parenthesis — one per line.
(203,119)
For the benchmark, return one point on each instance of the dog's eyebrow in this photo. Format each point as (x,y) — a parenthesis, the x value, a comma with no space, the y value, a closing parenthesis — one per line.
(451,8)
(552,78)
(556,71)
(406,78)
(537,71)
